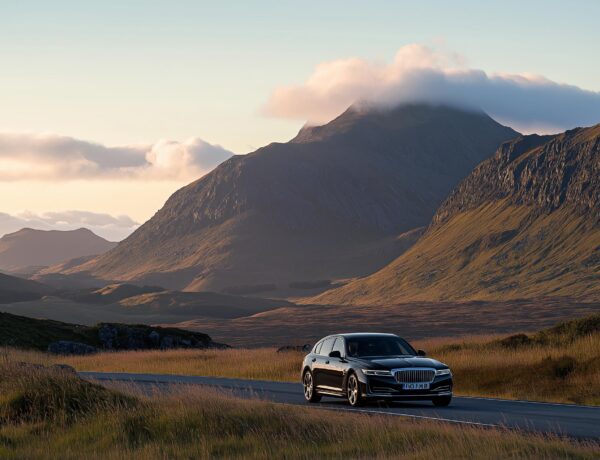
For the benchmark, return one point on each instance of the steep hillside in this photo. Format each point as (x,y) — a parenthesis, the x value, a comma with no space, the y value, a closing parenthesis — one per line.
(525,223)
(329,204)
(29,248)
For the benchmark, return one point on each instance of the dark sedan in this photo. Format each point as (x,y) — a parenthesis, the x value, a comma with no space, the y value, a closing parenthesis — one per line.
(367,366)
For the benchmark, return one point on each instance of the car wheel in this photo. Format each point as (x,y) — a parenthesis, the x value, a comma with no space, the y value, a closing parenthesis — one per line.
(353,391)
(442,401)
(309,388)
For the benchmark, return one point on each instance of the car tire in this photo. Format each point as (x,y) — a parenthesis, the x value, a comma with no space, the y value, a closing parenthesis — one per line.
(353,394)
(442,401)
(308,382)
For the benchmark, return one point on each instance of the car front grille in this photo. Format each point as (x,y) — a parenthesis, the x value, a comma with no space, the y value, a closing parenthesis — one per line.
(414,375)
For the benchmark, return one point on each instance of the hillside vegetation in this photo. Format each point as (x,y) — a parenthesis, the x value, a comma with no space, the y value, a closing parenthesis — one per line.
(47,413)
(524,224)
(29,333)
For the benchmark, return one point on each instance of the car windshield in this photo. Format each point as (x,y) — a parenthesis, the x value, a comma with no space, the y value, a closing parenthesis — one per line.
(361,347)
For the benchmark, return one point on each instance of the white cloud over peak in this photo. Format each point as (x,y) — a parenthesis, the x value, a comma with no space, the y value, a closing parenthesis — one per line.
(35,156)
(420,74)
(112,228)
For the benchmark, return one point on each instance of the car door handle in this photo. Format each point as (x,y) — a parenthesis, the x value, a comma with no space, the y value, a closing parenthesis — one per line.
(314,359)
(326,362)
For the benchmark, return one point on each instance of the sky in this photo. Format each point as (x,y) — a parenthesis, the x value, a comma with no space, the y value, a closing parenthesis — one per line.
(108,107)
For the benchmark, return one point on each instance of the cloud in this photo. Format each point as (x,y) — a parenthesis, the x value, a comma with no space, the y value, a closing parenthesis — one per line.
(113,228)
(420,74)
(27,156)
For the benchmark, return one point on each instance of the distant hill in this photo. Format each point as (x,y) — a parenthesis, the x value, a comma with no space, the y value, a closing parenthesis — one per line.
(13,289)
(199,304)
(28,249)
(524,224)
(327,205)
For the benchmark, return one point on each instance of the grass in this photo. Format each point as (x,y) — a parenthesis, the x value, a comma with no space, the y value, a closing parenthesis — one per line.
(89,421)
(560,364)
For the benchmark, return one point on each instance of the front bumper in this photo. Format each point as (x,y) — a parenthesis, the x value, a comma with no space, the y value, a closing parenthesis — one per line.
(388,388)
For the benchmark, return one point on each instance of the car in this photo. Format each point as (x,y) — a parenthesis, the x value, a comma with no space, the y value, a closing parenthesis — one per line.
(363,367)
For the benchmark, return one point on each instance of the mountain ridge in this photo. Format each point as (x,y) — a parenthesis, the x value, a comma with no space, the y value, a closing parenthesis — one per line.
(324,206)
(524,223)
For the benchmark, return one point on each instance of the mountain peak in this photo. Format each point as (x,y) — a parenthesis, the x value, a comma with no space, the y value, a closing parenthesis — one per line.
(374,120)
(328,204)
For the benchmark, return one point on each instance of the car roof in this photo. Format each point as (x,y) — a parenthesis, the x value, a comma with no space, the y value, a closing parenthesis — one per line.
(349,335)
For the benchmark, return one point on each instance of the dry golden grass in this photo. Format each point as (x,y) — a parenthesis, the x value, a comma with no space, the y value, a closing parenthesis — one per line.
(200,423)
(558,365)
(256,364)
(561,373)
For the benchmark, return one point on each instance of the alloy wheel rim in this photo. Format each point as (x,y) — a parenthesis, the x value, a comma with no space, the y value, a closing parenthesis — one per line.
(308,385)
(352,390)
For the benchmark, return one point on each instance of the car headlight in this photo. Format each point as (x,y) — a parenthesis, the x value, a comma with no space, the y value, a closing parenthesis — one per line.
(443,372)
(378,373)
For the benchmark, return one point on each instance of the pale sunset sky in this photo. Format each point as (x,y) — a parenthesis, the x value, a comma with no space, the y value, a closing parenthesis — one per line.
(108,107)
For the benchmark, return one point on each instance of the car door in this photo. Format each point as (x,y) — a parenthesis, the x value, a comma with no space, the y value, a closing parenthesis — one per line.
(337,366)
(321,363)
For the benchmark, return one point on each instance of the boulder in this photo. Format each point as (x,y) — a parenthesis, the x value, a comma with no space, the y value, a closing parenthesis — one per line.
(66,347)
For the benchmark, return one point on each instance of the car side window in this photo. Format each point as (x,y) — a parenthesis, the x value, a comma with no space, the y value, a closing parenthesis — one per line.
(327,346)
(318,347)
(339,346)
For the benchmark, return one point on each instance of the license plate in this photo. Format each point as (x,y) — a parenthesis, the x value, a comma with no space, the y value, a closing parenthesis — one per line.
(415,386)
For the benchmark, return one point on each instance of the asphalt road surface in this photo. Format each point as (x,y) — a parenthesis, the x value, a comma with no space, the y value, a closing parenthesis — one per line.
(563,419)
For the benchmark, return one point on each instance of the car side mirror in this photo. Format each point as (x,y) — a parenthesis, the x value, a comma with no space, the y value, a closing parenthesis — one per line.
(421,353)
(335,354)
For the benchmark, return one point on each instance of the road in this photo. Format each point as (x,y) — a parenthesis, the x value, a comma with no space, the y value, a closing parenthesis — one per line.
(563,419)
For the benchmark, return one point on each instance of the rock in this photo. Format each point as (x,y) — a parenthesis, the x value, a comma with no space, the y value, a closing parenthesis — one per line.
(65,347)
(167,342)
(300,348)
(141,337)
(154,337)
(108,336)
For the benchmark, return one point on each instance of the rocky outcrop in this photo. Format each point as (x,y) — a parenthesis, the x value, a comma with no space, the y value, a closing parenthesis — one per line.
(545,172)
(140,337)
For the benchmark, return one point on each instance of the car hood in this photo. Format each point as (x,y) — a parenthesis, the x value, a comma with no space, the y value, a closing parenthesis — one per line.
(412,361)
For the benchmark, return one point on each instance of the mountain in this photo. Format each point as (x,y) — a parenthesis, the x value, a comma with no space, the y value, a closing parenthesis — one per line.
(334,202)
(524,224)
(29,248)
(13,289)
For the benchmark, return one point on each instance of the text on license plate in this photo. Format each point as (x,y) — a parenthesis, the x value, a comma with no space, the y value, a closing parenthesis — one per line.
(415,386)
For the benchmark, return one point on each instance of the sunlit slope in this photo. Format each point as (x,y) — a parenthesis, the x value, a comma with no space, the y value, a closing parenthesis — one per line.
(524,224)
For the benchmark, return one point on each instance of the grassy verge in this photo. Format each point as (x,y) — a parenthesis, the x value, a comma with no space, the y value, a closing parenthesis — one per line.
(561,364)
(88,421)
